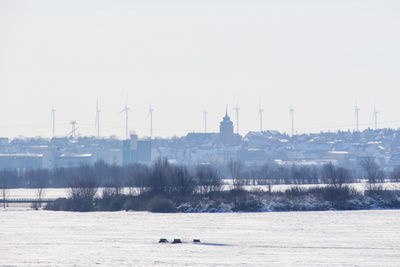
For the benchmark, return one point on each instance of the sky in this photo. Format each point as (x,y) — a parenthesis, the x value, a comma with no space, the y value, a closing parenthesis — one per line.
(184,57)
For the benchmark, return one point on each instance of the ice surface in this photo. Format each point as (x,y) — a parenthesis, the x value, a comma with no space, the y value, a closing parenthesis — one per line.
(330,238)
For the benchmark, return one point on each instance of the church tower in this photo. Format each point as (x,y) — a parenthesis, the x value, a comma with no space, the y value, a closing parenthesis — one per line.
(226,135)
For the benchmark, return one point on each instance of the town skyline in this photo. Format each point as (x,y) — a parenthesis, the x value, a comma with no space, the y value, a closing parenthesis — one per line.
(97,127)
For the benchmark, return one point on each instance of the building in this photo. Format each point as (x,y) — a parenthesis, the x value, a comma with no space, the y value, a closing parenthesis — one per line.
(144,151)
(72,160)
(21,161)
(226,135)
(136,151)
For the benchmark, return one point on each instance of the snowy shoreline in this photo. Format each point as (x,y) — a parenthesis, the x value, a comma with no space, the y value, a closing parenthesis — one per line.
(294,199)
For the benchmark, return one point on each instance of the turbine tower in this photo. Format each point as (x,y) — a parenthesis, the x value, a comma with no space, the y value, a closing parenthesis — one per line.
(205,120)
(375,118)
(151,121)
(237,117)
(126,110)
(73,131)
(356,110)
(53,121)
(97,122)
(292,119)
(260,113)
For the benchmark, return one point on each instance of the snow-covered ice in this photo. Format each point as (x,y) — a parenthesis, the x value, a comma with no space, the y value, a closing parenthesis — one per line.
(329,238)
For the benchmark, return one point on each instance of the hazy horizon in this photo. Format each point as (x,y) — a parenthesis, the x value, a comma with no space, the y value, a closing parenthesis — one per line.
(182,57)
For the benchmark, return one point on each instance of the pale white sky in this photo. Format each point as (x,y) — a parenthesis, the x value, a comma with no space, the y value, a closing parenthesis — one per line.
(185,56)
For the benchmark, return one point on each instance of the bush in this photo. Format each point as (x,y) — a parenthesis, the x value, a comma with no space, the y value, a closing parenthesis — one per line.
(111,203)
(82,193)
(295,191)
(161,204)
(60,204)
(337,195)
(135,204)
(250,205)
(384,198)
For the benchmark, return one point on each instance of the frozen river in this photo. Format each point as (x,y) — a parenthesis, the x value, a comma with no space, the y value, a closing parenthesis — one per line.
(331,238)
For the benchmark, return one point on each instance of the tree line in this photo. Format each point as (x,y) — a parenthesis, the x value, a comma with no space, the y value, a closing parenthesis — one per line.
(163,176)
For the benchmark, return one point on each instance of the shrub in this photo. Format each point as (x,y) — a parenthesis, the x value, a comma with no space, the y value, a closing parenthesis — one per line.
(111,203)
(335,194)
(250,205)
(295,191)
(161,204)
(59,204)
(134,204)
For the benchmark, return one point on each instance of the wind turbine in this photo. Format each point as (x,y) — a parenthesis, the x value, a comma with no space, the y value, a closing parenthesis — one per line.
(97,122)
(126,110)
(292,119)
(237,117)
(375,118)
(356,110)
(151,121)
(205,120)
(53,120)
(260,113)
(74,128)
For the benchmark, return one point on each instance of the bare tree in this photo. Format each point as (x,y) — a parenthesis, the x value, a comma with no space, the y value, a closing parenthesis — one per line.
(40,191)
(82,193)
(329,175)
(343,176)
(235,170)
(182,180)
(159,176)
(335,176)
(116,180)
(282,175)
(395,174)
(136,178)
(372,170)
(208,179)
(4,192)
(266,175)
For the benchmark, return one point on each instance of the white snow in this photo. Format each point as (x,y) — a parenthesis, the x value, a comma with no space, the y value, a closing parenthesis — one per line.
(330,238)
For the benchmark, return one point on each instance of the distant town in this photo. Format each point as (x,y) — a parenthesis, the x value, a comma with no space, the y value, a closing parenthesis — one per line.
(345,148)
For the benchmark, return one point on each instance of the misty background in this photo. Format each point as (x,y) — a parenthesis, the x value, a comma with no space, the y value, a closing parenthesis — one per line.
(182,57)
